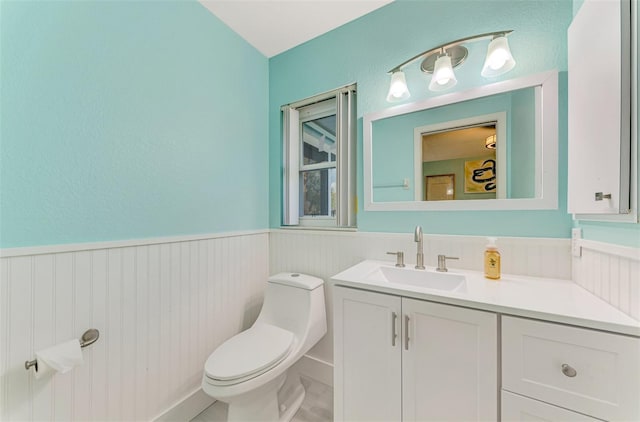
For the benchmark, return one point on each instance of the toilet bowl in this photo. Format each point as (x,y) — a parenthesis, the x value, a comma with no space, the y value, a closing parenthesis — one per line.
(248,370)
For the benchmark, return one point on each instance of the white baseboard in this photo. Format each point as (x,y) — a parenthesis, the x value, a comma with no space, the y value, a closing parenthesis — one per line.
(187,408)
(314,368)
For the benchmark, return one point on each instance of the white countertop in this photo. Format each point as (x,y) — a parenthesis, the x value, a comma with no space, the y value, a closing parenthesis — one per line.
(555,300)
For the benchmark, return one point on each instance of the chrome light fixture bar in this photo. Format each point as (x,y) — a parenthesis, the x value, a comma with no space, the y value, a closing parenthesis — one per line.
(441,60)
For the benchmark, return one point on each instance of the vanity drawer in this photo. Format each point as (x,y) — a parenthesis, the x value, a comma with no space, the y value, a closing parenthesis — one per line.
(588,371)
(517,408)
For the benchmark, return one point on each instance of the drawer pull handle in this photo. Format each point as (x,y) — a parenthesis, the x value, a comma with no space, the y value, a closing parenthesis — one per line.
(568,371)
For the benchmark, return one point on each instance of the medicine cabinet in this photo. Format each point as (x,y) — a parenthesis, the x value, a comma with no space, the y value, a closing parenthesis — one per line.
(600,162)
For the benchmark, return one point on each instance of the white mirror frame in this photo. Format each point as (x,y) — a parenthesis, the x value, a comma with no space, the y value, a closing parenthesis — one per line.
(546,177)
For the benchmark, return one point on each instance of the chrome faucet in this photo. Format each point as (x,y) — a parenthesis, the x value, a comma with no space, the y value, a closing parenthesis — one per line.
(417,237)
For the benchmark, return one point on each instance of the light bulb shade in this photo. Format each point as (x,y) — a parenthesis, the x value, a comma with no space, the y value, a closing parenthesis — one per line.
(443,76)
(499,59)
(398,90)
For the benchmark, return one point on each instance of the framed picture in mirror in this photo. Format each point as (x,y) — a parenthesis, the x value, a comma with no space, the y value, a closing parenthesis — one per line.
(480,176)
(440,187)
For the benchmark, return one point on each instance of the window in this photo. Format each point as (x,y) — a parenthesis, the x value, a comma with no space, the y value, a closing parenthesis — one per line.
(319,160)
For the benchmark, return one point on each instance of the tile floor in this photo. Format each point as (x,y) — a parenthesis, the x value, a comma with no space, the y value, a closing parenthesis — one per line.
(316,407)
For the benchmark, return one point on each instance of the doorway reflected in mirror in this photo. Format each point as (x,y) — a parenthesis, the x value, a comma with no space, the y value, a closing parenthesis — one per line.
(463,154)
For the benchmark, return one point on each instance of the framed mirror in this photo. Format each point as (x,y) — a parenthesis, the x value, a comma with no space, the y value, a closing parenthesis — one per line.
(496,144)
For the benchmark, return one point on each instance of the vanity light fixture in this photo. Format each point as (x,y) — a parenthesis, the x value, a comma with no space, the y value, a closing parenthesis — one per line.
(440,61)
(490,142)
(398,89)
(443,76)
(499,59)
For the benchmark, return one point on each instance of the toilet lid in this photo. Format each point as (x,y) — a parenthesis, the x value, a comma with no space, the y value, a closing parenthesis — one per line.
(250,352)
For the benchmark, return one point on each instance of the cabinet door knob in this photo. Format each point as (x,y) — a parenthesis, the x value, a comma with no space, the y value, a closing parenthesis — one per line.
(568,371)
(600,196)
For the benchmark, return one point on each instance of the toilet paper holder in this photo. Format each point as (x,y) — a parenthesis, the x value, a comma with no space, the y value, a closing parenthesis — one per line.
(88,338)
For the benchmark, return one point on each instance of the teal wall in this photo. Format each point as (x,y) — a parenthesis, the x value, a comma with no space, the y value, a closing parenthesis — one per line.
(364,50)
(626,234)
(128,120)
(140,119)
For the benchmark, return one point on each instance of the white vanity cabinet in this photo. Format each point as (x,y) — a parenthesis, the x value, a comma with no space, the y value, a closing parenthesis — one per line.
(398,358)
(522,349)
(599,114)
(584,371)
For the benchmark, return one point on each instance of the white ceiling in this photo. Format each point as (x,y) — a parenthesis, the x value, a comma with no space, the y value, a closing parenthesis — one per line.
(274,26)
(458,143)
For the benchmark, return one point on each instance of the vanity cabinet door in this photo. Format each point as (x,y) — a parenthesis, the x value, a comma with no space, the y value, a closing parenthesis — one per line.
(367,354)
(449,363)
(599,116)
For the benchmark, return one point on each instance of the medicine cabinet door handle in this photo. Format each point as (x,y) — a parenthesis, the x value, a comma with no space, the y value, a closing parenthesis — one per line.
(394,333)
(568,371)
(600,196)
(406,332)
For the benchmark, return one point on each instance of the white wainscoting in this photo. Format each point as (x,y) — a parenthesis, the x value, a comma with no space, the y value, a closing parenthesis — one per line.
(163,305)
(325,253)
(610,272)
(161,309)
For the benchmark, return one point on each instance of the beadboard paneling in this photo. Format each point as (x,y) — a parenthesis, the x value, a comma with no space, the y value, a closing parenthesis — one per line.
(325,253)
(612,273)
(161,309)
(153,302)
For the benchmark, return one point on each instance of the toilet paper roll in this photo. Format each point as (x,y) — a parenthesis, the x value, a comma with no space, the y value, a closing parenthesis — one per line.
(42,370)
(59,358)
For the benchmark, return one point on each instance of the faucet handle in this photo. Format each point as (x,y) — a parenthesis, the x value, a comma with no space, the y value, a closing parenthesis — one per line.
(399,258)
(442,262)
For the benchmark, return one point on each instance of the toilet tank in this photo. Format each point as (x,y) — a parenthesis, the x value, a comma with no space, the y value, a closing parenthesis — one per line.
(295,302)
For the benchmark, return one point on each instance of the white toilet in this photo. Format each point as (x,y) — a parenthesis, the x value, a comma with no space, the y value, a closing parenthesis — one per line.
(247,370)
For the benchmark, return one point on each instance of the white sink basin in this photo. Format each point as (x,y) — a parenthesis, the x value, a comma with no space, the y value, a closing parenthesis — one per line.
(422,278)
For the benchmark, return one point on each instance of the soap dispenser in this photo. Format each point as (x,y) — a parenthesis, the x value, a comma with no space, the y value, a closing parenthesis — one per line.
(492,260)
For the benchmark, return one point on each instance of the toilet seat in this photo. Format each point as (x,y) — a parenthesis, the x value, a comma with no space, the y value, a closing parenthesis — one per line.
(248,354)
